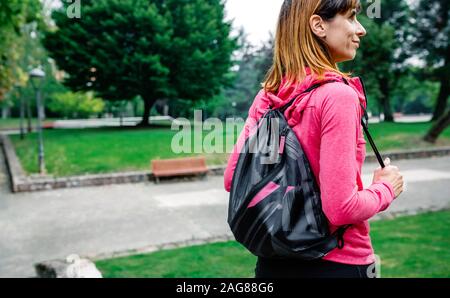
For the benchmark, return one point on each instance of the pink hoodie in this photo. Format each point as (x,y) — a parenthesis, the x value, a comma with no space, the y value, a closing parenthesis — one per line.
(327,122)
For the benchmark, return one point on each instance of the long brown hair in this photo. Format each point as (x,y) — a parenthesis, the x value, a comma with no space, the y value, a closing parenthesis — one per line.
(296,46)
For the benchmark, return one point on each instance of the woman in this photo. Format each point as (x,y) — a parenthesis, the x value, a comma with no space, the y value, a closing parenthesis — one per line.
(312,37)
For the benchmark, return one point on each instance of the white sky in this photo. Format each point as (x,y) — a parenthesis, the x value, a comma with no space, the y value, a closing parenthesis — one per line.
(257,17)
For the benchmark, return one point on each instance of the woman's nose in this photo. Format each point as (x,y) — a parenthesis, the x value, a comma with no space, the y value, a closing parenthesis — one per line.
(360,30)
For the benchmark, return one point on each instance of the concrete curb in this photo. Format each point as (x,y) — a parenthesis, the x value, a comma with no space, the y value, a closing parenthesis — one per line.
(15,171)
(411,154)
(166,246)
(20,182)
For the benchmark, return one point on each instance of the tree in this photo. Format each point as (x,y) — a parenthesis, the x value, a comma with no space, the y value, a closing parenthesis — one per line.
(148,48)
(253,66)
(415,94)
(14,14)
(438,128)
(431,43)
(30,54)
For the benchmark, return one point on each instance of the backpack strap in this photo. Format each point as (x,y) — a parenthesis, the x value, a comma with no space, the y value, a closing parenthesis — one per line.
(364,119)
(365,125)
(339,234)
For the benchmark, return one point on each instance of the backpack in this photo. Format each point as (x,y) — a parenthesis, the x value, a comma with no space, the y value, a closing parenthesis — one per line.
(274,206)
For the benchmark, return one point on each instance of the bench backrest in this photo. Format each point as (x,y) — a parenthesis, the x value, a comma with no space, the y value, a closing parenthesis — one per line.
(189,163)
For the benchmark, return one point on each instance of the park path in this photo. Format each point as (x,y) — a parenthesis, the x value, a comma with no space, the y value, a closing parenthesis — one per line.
(101,220)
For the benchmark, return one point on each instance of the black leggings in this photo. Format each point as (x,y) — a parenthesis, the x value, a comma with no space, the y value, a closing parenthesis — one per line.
(292,268)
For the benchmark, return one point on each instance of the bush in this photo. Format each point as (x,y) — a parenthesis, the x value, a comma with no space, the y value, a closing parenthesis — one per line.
(75,104)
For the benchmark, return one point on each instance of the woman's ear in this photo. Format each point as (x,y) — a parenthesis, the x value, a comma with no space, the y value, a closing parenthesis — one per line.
(318,26)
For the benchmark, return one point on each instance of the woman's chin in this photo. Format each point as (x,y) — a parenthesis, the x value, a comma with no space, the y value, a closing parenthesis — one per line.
(347,57)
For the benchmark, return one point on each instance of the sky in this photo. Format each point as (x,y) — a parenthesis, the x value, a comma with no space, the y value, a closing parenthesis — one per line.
(257,17)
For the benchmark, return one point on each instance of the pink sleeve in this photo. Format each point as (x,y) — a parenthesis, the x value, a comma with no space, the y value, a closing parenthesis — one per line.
(342,202)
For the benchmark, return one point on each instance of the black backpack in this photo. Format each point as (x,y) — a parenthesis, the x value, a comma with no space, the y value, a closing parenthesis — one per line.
(275,208)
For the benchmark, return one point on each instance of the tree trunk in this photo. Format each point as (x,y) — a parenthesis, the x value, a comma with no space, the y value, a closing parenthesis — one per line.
(148,104)
(135,108)
(22,113)
(441,103)
(438,128)
(5,112)
(384,87)
(121,114)
(28,110)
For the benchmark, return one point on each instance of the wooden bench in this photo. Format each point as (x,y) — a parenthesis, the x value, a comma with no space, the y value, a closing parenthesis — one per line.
(178,167)
(48,125)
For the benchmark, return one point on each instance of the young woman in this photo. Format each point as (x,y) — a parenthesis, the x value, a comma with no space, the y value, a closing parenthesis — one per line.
(312,37)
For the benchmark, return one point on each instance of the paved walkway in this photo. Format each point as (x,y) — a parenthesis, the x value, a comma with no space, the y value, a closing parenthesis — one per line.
(96,220)
(132,121)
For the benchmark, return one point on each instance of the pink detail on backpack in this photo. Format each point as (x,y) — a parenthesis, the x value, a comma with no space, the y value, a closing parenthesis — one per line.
(263,193)
(289,188)
(282,143)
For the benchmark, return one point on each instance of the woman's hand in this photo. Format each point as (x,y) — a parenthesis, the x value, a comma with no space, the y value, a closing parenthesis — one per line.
(390,174)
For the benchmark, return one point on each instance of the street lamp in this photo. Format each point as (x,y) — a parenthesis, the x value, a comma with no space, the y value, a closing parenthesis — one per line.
(233,104)
(37,76)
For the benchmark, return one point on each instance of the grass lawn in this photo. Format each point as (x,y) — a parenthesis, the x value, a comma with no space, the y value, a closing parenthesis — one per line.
(81,151)
(392,136)
(414,246)
(100,150)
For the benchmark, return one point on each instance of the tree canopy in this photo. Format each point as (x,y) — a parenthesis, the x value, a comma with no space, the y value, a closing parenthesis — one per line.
(149,48)
(13,15)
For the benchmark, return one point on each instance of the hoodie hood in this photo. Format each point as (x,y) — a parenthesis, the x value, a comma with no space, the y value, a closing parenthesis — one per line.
(286,92)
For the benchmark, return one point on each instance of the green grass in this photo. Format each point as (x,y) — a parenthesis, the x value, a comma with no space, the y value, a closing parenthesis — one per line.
(392,136)
(414,246)
(226,259)
(81,151)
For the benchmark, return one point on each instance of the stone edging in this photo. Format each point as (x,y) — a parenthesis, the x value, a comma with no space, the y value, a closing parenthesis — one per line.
(20,182)
(15,171)
(166,246)
(411,154)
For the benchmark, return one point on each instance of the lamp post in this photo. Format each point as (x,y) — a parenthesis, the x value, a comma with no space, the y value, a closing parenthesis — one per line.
(37,76)
(233,104)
